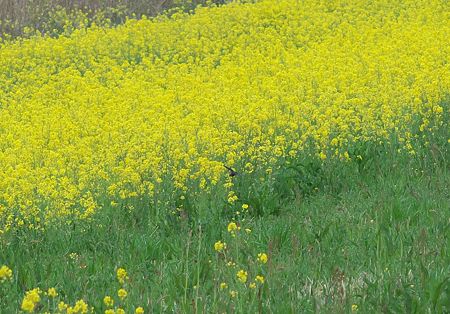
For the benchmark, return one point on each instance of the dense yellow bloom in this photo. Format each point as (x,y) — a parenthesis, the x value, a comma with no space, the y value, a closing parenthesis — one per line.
(262,258)
(5,273)
(111,112)
(110,311)
(242,276)
(120,311)
(122,293)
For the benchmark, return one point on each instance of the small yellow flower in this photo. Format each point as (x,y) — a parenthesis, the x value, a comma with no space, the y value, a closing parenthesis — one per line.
(108,301)
(5,273)
(252,285)
(262,258)
(233,293)
(139,310)
(260,278)
(219,246)
(244,206)
(242,276)
(354,307)
(120,311)
(232,227)
(231,264)
(30,300)
(122,275)
(110,311)
(27,305)
(80,307)
(51,292)
(322,156)
(223,285)
(122,293)
(248,230)
(62,306)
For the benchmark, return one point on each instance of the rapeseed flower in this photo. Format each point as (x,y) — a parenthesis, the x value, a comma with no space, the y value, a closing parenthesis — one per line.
(108,301)
(122,275)
(139,310)
(219,246)
(242,276)
(5,273)
(62,306)
(232,227)
(259,279)
(122,293)
(80,307)
(51,292)
(262,258)
(31,299)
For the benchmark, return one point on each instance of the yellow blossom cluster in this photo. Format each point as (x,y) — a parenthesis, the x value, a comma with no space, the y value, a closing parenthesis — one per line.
(5,273)
(122,275)
(227,256)
(33,298)
(112,112)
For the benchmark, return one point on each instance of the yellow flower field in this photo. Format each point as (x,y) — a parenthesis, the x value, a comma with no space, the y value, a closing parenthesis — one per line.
(112,113)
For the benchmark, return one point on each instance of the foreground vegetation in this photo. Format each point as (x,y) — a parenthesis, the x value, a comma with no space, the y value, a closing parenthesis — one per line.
(368,236)
(267,157)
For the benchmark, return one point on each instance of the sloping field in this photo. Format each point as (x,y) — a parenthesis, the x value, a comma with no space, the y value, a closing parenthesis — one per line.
(149,113)
(114,111)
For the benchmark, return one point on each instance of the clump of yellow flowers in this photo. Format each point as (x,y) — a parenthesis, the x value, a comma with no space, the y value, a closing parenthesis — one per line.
(233,269)
(5,273)
(115,112)
(122,275)
(33,298)
(262,258)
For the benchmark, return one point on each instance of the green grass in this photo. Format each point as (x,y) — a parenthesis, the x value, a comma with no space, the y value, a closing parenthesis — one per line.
(371,232)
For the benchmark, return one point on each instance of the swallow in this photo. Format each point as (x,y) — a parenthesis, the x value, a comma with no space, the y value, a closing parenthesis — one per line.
(232,172)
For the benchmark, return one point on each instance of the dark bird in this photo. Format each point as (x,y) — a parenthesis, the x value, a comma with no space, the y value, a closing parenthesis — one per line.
(232,172)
